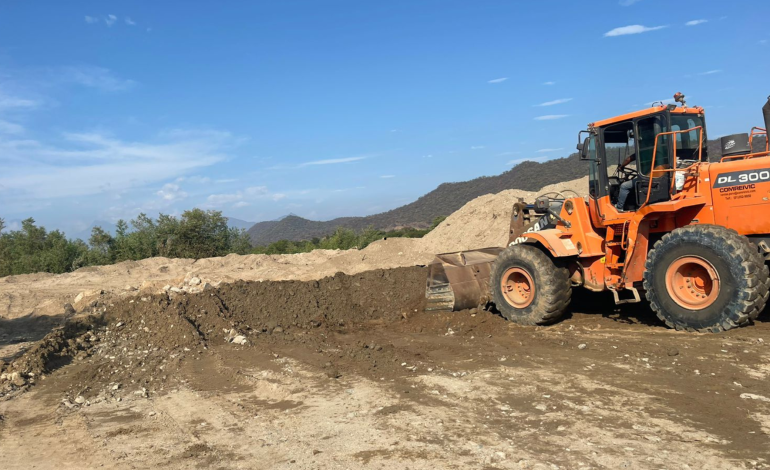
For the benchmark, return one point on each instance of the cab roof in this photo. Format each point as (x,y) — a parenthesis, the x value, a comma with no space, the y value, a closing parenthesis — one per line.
(645,112)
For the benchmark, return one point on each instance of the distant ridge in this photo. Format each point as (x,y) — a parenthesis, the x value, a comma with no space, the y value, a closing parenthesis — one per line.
(445,199)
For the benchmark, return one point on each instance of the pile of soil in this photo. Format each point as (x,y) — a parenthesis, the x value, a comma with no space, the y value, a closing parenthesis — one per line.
(484,221)
(139,343)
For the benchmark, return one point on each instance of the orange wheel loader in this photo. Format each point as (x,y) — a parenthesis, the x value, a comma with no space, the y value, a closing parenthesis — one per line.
(660,221)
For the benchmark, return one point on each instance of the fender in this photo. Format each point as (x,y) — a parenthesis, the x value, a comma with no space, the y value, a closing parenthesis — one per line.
(558,243)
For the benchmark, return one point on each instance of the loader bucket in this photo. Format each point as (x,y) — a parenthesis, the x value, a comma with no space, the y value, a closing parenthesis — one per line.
(460,280)
(457,281)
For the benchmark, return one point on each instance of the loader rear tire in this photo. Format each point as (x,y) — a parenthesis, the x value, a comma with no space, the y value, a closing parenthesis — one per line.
(705,278)
(529,287)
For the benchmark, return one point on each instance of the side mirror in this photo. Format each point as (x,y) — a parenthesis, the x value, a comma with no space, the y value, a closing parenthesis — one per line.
(583,149)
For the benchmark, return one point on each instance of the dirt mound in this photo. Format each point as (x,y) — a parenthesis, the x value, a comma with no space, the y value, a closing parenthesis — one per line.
(141,342)
(484,221)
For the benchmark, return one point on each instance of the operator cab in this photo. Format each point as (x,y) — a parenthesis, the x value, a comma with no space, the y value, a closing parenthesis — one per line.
(622,152)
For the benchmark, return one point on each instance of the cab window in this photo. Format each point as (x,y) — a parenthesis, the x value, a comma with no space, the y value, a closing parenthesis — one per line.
(647,131)
(593,168)
(688,143)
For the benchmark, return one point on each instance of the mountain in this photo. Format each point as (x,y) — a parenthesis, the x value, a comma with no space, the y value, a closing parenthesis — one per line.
(442,201)
(232,222)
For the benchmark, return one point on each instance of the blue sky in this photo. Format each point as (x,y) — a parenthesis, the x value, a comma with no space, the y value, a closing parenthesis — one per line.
(333,108)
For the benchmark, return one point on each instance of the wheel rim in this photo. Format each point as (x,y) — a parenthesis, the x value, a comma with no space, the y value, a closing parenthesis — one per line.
(517,287)
(692,282)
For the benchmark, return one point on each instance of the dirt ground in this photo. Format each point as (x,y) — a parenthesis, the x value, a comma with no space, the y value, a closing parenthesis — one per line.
(327,360)
(349,372)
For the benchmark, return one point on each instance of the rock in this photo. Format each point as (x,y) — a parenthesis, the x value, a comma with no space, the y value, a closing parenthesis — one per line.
(130,288)
(672,352)
(240,339)
(116,387)
(751,396)
(333,373)
(498,456)
(582,346)
(166,288)
(80,400)
(316,452)
(176,290)
(151,413)
(68,403)
(206,286)
(69,309)
(18,379)
(79,297)
(195,281)
(277,329)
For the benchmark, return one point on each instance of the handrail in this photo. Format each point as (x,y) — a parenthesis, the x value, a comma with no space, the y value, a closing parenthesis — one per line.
(674,168)
(745,156)
(761,131)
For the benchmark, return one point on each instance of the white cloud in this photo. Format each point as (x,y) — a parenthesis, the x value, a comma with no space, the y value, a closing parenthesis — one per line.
(195,179)
(498,80)
(130,22)
(549,150)
(110,20)
(628,3)
(763,42)
(96,77)
(330,161)
(477,147)
(171,192)
(632,29)
(226,180)
(550,117)
(710,72)
(387,176)
(695,22)
(84,164)
(7,102)
(549,83)
(242,198)
(91,19)
(551,103)
(7,127)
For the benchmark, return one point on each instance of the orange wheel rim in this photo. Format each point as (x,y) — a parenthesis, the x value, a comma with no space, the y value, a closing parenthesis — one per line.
(692,282)
(517,287)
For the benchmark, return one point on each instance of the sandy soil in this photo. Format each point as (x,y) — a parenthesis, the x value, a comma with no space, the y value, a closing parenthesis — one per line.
(347,376)
(348,371)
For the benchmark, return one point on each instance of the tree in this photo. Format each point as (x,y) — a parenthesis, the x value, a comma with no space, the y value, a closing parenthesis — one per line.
(2,224)
(102,247)
(437,221)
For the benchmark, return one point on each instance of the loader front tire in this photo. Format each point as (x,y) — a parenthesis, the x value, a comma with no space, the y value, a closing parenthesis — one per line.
(528,287)
(705,278)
